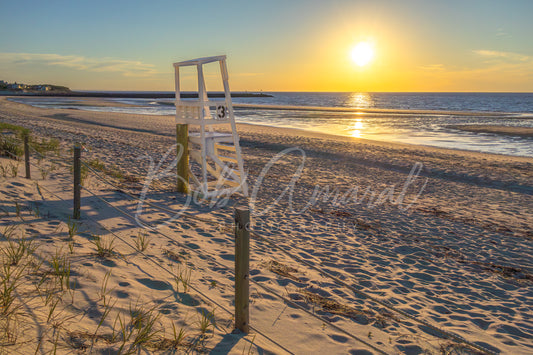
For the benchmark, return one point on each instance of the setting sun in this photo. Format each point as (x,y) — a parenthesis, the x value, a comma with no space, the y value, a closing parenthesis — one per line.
(362,53)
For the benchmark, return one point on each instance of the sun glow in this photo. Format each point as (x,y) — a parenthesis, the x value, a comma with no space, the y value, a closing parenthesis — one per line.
(362,53)
(357,128)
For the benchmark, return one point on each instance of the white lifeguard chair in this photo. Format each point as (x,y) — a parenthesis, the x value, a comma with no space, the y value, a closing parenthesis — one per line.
(216,165)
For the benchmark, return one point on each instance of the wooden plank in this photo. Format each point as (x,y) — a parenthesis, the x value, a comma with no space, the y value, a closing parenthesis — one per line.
(242,265)
(223,182)
(27,156)
(225,147)
(182,166)
(77,181)
(228,159)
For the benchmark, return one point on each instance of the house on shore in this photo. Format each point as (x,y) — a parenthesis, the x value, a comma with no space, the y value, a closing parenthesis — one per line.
(15,86)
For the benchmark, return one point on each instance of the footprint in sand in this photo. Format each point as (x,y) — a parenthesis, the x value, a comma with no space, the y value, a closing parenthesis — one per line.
(481,323)
(193,246)
(410,349)
(188,300)
(109,263)
(229,257)
(423,276)
(122,294)
(339,338)
(360,352)
(441,310)
(155,284)
(219,240)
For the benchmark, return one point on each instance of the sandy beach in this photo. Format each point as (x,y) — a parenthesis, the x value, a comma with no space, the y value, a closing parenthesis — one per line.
(443,236)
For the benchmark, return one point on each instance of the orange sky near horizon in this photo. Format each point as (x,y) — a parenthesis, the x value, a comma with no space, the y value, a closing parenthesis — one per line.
(418,45)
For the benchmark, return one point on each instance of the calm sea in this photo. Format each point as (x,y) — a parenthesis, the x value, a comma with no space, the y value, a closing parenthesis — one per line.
(407,124)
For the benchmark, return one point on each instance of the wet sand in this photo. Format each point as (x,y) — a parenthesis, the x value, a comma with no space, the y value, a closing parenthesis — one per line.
(502,130)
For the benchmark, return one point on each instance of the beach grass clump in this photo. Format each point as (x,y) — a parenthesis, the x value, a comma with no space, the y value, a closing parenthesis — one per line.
(334,307)
(96,164)
(14,169)
(16,250)
(141,242)
(104,246)
(44,172)
(9,231)
(46,145)
(182,278)
(281,269)
(10,168)
(140,331)
(10,147)
(16,266)
(103,293)
(206,320)
(73,227)
(11,139)
(60,265)
(10,278)
(112,171)
(179,258)
(20,131)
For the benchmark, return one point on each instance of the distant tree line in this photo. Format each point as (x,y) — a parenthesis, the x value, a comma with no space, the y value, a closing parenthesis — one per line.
(4,85)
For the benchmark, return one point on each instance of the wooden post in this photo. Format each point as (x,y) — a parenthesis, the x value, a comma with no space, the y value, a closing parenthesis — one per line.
(182,138)
(77,181)
(242,262)
(27,155)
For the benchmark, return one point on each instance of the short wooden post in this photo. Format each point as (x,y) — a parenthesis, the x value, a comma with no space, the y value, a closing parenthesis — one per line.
(27,156)
(77,181)
(242,263)
(182,138)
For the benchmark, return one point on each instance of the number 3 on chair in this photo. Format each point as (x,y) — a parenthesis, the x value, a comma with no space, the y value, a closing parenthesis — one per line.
(221,112)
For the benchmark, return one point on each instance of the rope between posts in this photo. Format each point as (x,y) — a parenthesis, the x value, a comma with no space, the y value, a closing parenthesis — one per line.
(165,269)
(132,218)
(323,272)
(151,204)
(140,252)
(255,234)
(268,289)
(49,158)
(13,155)
(253,281)
(362,293)
(33,164)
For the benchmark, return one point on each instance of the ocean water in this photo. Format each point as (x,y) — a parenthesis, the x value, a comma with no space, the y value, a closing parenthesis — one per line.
(400,121)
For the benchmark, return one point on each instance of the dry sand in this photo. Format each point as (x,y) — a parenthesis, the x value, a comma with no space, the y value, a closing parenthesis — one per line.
(456,253)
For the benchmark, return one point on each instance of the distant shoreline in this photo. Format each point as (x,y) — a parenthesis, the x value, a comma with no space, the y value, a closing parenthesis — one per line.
(134,95)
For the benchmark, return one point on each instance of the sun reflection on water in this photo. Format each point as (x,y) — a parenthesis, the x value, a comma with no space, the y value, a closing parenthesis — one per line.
(361,100)
(357,128)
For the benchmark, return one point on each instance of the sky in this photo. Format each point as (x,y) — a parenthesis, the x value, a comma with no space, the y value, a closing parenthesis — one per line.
(296,45)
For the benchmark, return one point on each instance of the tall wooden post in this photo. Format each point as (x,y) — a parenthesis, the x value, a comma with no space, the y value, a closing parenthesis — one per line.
(182,138)
(77,181)
(27,156)
(242,265)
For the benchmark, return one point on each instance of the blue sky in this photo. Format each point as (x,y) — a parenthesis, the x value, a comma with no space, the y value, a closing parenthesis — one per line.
(271,45)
